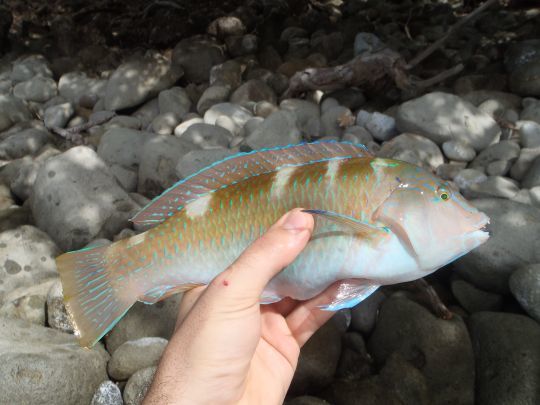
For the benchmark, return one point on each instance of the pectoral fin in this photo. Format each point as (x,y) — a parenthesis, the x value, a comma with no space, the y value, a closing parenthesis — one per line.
(350,224)
(350,293)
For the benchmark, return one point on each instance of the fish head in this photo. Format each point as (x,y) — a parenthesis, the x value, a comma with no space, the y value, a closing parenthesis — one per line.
(432,220)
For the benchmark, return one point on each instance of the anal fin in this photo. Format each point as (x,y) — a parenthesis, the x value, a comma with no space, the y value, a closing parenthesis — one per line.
(350,293)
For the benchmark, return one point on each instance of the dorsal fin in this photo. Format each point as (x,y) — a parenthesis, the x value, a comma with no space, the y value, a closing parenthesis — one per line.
(242,166)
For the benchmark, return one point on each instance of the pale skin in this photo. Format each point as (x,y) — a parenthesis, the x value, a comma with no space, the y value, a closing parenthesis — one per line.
(229,349)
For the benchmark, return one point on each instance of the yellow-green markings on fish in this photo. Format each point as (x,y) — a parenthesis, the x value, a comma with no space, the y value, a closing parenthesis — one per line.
(372,218)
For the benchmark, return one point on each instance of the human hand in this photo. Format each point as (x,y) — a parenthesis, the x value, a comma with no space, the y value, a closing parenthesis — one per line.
(227,348)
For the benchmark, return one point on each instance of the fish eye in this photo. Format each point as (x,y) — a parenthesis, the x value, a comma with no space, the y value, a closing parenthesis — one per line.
(444,194)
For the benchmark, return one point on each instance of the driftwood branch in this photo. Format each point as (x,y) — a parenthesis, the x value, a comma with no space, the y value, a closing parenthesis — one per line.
(73,134)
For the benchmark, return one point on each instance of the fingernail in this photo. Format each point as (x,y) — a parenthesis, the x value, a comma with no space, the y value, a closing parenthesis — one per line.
(295,221)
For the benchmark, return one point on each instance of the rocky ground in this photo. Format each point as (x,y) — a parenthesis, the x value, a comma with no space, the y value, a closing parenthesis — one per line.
(156,116)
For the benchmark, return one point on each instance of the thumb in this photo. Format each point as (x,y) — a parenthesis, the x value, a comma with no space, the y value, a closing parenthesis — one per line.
(267,256)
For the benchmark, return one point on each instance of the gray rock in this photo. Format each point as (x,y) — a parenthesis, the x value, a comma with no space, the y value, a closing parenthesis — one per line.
(27,258)
(278,129)
(350,97)
(507,353)
(29,67)
(521,53)
(240,45)
(367,43)
(253,91)
(181,128)
(159,156)
(498,168)
(525,286)
(42,365)
(443,117)
(196,160)
(213,95)
(138,385)
(333,120)
(38,89)
(138,80)
(525,80)
(20,175)
(57,316)
(147,112)
(354,362)
(466,178)
(174,100)
(228,124)
(27,142)
(164,124)
(364,314)
(524,161)
(58,115)
(473,299)
(237,113)
(448,171)
(15,216)
(413,149)
(381,126)
(27,303)
(412,331)
(456,150)
(135,355)
(493,186)
(307,116)
(306,400)
(252,125)
(76,199)
(143,320)
(107,393)
(6,199)
(197,55)
(226,74)
(504,150)
(508,100)
(123,147)
(207,136)
(510,246)
(12,111)
(532,175)
(225,26)
(318,360)
(123,121)
(531,110)
(529,133)
(75,86)
(357,134)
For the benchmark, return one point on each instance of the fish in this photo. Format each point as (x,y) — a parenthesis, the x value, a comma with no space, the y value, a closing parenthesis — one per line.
(377,222)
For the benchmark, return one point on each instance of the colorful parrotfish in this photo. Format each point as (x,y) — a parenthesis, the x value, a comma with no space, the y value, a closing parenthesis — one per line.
(378,221)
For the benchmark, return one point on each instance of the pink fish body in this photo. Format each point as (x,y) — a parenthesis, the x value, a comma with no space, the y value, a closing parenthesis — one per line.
(378,222)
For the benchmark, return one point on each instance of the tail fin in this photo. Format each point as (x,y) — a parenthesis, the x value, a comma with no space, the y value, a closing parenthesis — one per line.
(93,304)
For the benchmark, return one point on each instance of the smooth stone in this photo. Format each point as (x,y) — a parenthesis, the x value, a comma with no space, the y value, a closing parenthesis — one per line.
(529,133)
(318,360)
(76,199)
(228,124)
(263,109)
(107,393)
(21,174)
(367,43)
(474,299)
(228,74)
(122,147)
(240,45)
(498,168)
(381,126)
(532,175)
(525,287)
(412,331)
(493,186)
(443,117)
(456,150)
(75,86)
(182,127)
(365,314)
(143,320)
(159,156)
(6,199)
(29,67)
(196,160)
(135,355)
(42,365)
(504,150)
(174,100)
(507,357)
(508,100)
(521,53)
(466,178)
(27,303)
(164,124)
(448,171)
(524,162)
(509,247)
(354,362)
(138,80)
(123,121)
(58,115)
(531,110)
(328,103)
(351,97)
(333,120)
(38,89)
(238,114)
(252,125)
(225,26)
(12,111)
(524,197)
(213,95)
(15,216)
(27,142)
(525,80)
(147,112)
(279,129)
(357,134)
(57,316)
(196,56)
(253,91)
(24,267)
(138,385)
(414,149)
(207,136)
(307,116)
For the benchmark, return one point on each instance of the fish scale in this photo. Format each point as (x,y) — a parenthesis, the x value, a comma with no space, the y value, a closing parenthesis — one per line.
(204,222)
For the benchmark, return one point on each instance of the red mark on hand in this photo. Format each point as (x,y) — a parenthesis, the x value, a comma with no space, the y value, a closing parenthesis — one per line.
(225,283)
